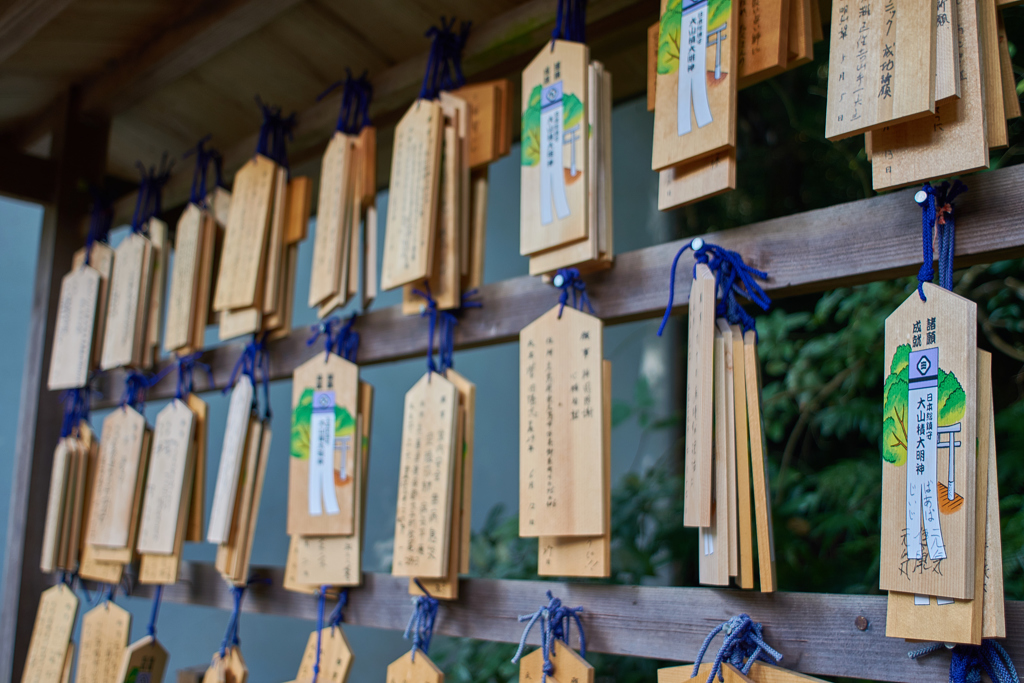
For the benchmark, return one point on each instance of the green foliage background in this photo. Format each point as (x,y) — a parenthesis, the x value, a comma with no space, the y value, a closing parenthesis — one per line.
(824,372)
(670,28)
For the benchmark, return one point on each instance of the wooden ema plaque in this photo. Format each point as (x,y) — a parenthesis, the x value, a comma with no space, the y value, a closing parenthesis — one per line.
(951,142)
(881,70)
(129,290)
(48,648)
(691,182)
(179,331)
(143,660)
(239,412)
(561,475)
(243,255)
(426,478)
(763,39)
(699,403)
(230,668)
(120,470)
(335,198)
(412,207)
(758,465)
(322,468)
(101,258)
(103,639)
(414,669)
(335,656)
(730,674)
(695,95)
(569,666)
(553,194)
(929,446)
(71,358)
(168,481)
(921,617)
(744,509)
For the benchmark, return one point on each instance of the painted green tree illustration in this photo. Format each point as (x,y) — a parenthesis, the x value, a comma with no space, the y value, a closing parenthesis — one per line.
(670,29)
(572,114)
(952,403)
(344,424)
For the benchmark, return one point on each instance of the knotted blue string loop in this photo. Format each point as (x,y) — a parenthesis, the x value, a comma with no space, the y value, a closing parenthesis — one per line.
(967,662)
(148,201)
(275,131)
(421,625)
(444,61)
(430,313)
(187,365)
(570,21)
(356,94)
(568,280)
(346,341)
(337,615)
(325,329)
(101,218)
(76,410)
(135,385)
(555,624)
(937,226)
(732,276)
(321,599)
(151,627)
(743,641)
(204,157)
(254,363)
(231,632)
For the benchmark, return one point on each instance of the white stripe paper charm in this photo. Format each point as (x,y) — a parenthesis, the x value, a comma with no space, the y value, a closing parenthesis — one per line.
(552,175)
(693,78)
(922,470)
(321,456)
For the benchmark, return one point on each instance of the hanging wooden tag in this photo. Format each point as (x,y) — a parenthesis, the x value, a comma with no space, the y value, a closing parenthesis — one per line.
(321,488)
(140,351)
(921,617)
(467,400)
(117,478)
(126,553)
(239,411)
(55,507)
(474,279)
(161,253)
(273,278)
(243,256)
(992,90)
(758,467)
(458,109)
(249,488)
(370,258)
(799,44)
(881,71)
(553,193)
(412,203)
(239,323)
(1011,101)
(69,503)
(426,478)
(101,259)
(184,279)
(953,141)
(699,402)
(355,233)
(143,660)
(504,130)
(730,674)
(745,578)
(726,389)
(368,146)
(420,669)
(561,480)
(947,54)
(201,410)
(71,357)
(691,182)
(695,112)
(127,287)
(763,39)
(585,556)
(247,526)
(104,637)
(55,620)
(927,477)
(335,190)
(994,609)
(483,111)
(89,567)
(227,551)
(74,537)
(201,310)
(300,197)
(335,656)
(760,672)
(169,476)
(569,666)
(714,540)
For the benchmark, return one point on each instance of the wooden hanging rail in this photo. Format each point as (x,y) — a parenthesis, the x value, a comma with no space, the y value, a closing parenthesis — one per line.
(817,633)
(861,241)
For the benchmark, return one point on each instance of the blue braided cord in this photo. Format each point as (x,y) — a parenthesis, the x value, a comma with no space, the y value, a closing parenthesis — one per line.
(197,193)
(421,624)
(556,621)
(945,195)
(76,409)
(231,633)
(321,598)
(927,204)
(263,363)
(967,662)
(338,614)
(429,312)
(151,628)
(743,641)
(245,365)
(572,283)
(347,340)
(135,386)
(325,329)
(186,370)
(101,218)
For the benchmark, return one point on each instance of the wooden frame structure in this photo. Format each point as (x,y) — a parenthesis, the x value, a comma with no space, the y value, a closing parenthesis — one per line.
(862,241)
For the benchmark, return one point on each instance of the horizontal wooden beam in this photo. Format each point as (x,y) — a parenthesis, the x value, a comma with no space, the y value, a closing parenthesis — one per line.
(861,241)
(27,177)
(23,19)
(816,633)
(499,47)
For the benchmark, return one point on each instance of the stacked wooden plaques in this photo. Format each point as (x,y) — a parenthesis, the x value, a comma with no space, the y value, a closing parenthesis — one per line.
(334,657)
(345,248)
(239,487)
(102,642)
(127,328)
(566,193)
(74,462)
(922,118)
(227,667)
(758,40)
(332,411)
(941,556)
(447,586)
(432,517)
(568,665)
(50,651)
(565,443)
(726,491)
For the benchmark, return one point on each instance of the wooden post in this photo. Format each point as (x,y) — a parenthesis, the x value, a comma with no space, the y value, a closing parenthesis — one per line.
(79,152)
